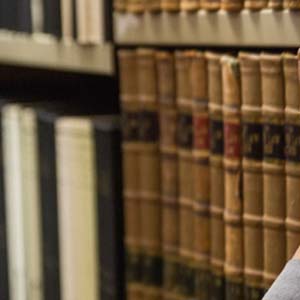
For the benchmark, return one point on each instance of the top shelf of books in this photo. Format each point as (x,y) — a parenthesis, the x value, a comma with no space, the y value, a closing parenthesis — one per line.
(44,51)
(265,28)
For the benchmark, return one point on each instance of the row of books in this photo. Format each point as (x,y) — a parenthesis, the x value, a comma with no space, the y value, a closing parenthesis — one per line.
(87,22)
(60,204)
(140,6)
(211,158)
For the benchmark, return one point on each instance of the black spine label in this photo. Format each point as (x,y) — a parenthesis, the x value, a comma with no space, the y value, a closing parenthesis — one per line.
(274,144)
(148,126)
(203,279)
(133,266)
(252,293)
(185,131)
(130,121)
(292,140)
(152,270)
(234,291)
(216,137)
(217,287)
(252,141)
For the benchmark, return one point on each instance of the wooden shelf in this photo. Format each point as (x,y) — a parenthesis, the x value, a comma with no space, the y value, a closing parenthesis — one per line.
(44,52)
(266,28)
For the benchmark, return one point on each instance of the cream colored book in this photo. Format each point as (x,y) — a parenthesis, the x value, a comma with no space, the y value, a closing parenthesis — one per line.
(67,19)
(31,201)
(90,21)
(77,209)
(37,15)
(11,126)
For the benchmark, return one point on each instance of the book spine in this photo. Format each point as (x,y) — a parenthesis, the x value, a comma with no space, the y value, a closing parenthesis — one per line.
(216,176)
(153,5)
(131,175)
(234,261)
(275,4)
(109,209)
(49,206)
(67,22)
(4,284)
(291,4)
(32,209)
(170,5)
(169,171)
(37,16)
(252,175)
(201,174)
(24,16)
(52,17)
(190,5)
(135,6)
(273,166)
(255,4)
(11,115)
(149,174)
(185,165)
(232,5)
(210,5)
(120,5)
(292,168)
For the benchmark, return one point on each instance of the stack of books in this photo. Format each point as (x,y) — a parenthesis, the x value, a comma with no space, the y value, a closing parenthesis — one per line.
(211,171)
(61,204)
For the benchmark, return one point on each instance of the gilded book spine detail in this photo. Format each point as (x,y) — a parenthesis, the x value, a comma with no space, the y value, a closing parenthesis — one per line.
(169,171)
(130,149)
(252,175)
(292,134)
(201,174)
(149,172)
(273,167)
(185,165)
(217,234)
(234,261)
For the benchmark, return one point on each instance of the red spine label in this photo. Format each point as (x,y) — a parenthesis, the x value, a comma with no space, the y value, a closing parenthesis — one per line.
(232,141)
(201,132)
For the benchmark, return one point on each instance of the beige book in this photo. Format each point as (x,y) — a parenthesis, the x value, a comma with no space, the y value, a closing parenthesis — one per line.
(77,209)
(67,21)
(31,200)
(37,15)
(11,116)
(90,24)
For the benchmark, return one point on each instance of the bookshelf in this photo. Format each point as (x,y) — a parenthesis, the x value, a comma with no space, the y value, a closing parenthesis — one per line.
(43,51)
(266,28)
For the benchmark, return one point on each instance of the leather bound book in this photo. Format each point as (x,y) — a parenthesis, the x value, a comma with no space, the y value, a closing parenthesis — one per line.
(275,4)
(52,17)
(291,4)
(170,5)
(292,167)
(130,150)
(201,174)
(273,166)
(76,186)
(233,213)
(255,4)
(32,207)
(11,129)
(109,206)
(169,171)
(232,5)
(186,287)
(49,209)
(210,5)
(4,285)
(90,24)
(149,174)
(216,177)
(190,5)
(252,175)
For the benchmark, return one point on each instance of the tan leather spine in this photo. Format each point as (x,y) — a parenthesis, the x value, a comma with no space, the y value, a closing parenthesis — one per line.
(292,139)
(169,171)
(201,173)
(190,5)
(234,262)
(153,5)
(131,185)
(217,232)
(273,166)
(185,165)
(135,6)
(255,4)
(170,5)
(150,183)
(252,174)
(210,5)
(232,5)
